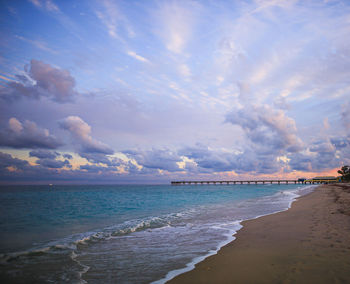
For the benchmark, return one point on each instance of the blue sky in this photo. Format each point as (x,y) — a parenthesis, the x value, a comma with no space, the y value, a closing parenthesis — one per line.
(150,91)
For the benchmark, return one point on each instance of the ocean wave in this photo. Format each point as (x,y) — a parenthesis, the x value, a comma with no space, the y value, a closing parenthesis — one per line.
(34,252)
(129,227)
(71,243)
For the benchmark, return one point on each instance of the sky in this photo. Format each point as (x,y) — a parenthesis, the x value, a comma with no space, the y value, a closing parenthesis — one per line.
(103,91)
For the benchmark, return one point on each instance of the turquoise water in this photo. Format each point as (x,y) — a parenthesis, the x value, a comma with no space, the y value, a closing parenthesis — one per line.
(123,234)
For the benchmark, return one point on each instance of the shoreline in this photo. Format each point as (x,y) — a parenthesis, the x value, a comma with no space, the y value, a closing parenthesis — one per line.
(231,236)
(306,243)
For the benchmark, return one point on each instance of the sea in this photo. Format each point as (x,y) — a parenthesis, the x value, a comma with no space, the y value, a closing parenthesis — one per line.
(124,233)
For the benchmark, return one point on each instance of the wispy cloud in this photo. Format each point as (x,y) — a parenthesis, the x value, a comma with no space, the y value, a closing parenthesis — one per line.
(175,23)
(137,56)
(52,9)
(48,5)
(112,18)
(37,43)
(184,70)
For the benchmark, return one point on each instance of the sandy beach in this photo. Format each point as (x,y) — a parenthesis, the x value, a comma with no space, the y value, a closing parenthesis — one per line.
(309,243)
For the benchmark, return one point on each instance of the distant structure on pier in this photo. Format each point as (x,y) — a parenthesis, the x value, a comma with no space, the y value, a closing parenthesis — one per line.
(327,179)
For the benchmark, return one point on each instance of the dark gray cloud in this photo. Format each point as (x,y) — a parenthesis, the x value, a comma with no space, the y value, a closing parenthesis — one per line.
(41,80)
(163,159)
(209,159)
(67,156)
(17,170)
(48,159)
(300,162)
(200,159)
(27,135)
(96,168)
(252,162)
(340,142)
(43,154)
(217,160)
(322,155)
(317,162)
(52,163)
(13,170)
(7,161)
(322,147)
(101,158)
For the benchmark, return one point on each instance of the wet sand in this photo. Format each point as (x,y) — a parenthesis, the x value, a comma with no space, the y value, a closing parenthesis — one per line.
(309,243)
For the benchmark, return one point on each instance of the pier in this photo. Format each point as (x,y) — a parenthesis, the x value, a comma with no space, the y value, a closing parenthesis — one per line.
(234,182)
(279,181)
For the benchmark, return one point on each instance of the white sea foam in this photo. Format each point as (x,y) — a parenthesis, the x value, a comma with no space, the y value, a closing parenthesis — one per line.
(191,265)
(85,268)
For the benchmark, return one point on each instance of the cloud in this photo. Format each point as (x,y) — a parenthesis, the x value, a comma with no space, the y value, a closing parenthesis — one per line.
(184,70)
(17,170)
(81,132)
(322,155)
(200,159)
(48,159)
(95,168)
(175,25)
(221,160)
(163,159)
(51,9)
(281,102)
(322,147)
(345,116)
(260,163)
(300,162)
(137,57)
(114,20)
(43,154)
(37,43)
(245,92)
(56,82)
(100,158)
(52,163)
(340,142)
(317,162)
(91,149)
(41,80)
(267,128)
(7,162)
(67,156)
(206,158)
(45,4)
(27,135)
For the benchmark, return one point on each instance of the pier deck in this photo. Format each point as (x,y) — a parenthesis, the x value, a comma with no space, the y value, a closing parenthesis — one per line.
(281,181)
